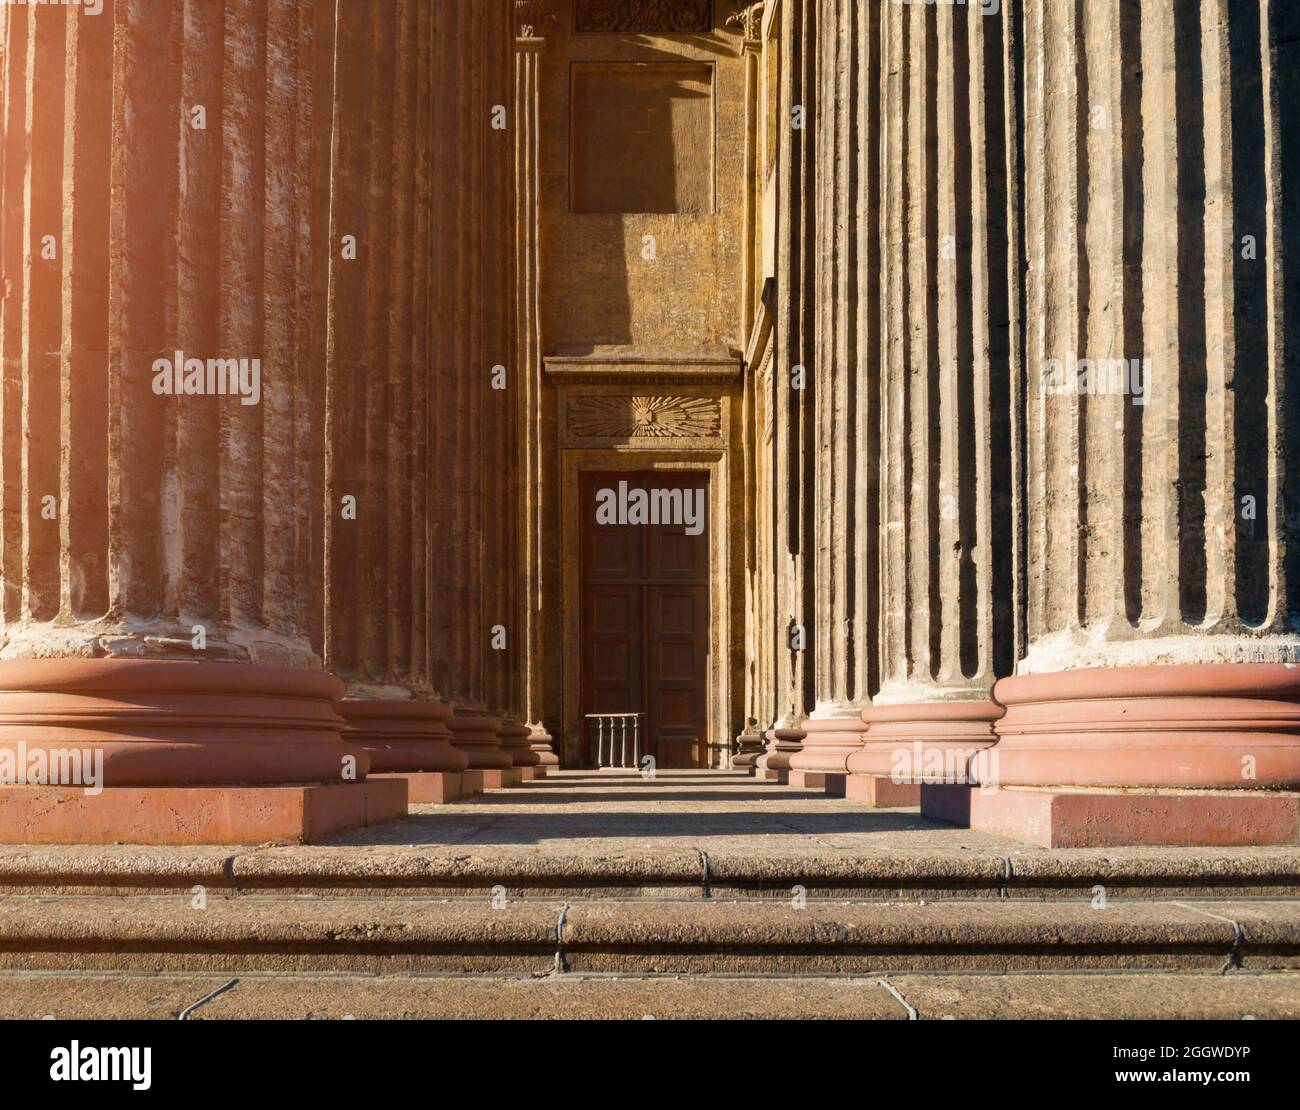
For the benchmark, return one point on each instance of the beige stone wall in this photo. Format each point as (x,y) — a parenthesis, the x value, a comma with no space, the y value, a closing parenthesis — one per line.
(660,115)
(639,214)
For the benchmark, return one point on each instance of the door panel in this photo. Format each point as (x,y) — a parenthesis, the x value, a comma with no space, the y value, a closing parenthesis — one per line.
(645,619)
(677,682)
(613,624)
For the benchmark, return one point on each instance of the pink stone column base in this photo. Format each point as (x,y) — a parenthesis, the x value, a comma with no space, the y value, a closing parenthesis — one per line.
(541,742)
(196,814)
(925,740)
(828,781)
(402,736)
(881,792)
(774,764)
(1063,818)
(828,743)
(515,742)
(436,788)
(181,723)
(1209,726)
(477,737)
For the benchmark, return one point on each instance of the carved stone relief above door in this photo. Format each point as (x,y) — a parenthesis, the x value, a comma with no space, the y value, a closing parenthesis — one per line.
(641,417)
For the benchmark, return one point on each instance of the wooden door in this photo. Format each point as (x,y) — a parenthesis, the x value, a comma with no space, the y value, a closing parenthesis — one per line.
(645,620)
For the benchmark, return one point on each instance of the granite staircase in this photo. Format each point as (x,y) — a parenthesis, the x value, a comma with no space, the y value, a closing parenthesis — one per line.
(492,932)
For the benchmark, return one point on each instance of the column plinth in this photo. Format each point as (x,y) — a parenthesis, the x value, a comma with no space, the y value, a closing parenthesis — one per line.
(782,743)
(178,752)
(409,739)
(515,742)
(829,742)
(749,747)
(1220,726)
(477,738)
(541,742)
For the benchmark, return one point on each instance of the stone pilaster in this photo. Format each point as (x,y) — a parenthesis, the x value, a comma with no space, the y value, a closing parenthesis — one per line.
(160,229)
(530,48)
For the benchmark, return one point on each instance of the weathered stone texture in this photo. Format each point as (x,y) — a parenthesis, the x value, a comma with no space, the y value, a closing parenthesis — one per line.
(158,198)
(1159,199)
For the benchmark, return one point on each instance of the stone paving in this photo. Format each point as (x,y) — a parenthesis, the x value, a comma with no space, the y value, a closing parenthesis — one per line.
(575,811)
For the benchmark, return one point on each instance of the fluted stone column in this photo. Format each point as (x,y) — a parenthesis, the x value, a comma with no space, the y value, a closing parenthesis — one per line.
(795,447)
(470,556)
(1162,424)
(846,390)
(160,237)
(383,443)
(948,535)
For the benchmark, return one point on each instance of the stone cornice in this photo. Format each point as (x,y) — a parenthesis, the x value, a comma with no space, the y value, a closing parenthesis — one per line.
(647,368)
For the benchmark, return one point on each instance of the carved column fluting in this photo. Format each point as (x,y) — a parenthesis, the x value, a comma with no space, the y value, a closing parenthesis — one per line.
(474,337)
(1161,423)
(795,408)
(948,539)
(160,230)
(844,384)
(376,530)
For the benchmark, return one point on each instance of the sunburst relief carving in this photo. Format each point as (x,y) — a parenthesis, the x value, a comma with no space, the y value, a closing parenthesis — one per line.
(644,417)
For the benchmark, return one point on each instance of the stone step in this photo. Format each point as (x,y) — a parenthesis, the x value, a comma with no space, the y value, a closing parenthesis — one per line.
(813,872)
(400,934)
(1140,995)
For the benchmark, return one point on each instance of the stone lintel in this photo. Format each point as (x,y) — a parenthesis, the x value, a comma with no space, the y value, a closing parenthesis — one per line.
(612,367)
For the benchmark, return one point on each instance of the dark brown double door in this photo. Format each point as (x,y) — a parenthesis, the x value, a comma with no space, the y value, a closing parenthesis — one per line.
(645,618)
